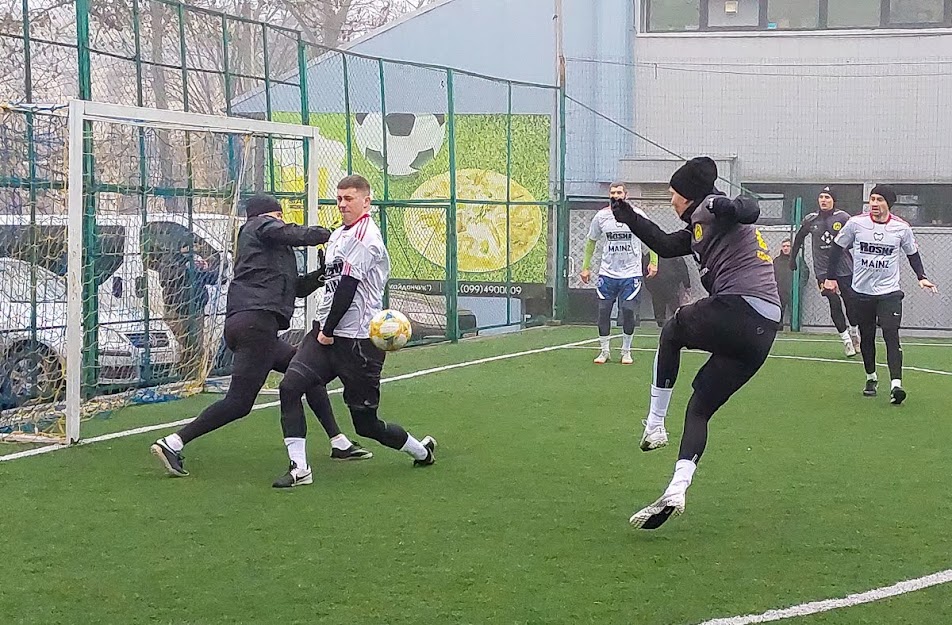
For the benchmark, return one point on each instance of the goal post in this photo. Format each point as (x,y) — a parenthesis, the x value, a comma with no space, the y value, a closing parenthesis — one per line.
(142,183)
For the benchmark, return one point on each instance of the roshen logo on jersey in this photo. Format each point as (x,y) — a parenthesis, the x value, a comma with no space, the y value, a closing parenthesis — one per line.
(876,249)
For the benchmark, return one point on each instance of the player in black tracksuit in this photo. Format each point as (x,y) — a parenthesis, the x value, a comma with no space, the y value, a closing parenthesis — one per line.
(737,323)
(824,226)
(260,304)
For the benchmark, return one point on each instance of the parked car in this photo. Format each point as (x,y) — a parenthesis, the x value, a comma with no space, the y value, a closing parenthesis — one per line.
(33,304)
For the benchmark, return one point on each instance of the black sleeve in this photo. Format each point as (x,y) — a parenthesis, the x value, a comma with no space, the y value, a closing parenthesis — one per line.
(915,261)
(836,252)
(277,232)
(343,298)
(664,244)
(746,210)
(309,282)
(799,239)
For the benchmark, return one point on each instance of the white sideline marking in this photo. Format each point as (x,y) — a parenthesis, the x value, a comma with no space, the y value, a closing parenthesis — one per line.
(816,607)
(271,404)
(804,358)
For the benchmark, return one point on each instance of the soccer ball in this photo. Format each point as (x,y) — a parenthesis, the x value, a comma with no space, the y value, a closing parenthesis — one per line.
(412,140)
(390,330)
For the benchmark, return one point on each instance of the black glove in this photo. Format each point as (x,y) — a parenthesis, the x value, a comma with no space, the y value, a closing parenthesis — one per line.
(622,211)
(723,208)
(793,264)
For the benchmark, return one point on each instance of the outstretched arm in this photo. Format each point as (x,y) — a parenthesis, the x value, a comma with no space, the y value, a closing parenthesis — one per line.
(664,244)
(278,232)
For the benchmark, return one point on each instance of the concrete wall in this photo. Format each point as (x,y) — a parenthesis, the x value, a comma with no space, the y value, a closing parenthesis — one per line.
(825,106)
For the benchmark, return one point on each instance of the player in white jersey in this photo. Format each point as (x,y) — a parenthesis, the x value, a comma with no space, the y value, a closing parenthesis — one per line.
(878,240)
(619,275)
(338,345)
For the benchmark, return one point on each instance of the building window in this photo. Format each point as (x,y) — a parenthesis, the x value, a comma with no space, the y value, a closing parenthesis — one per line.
(924,204)
(673,15)
(916,11)
(694,15)
(739,14)
(778,200)
(793,14)
(854,13)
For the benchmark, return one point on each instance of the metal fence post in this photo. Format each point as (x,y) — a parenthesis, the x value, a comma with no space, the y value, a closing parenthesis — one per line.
(452,275)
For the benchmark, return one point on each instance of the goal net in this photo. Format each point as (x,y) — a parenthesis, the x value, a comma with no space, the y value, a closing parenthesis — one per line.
(115,294)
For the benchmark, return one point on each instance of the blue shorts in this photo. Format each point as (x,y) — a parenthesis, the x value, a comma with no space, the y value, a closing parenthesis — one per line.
(625,290)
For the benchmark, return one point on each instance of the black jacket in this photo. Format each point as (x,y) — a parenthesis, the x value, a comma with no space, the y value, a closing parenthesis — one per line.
(266,269)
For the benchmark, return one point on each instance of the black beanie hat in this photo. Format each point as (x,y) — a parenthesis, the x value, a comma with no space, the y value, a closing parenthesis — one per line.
(260,204)
(695,179)
(829,191)
(887,192)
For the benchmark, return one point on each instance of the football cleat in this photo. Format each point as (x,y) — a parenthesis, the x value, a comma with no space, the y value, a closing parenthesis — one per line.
(654,516)
(626,358)
(172,460)
(430,443)
(294,477)
(602,358)
(653,438)
(870,390)
(897,395)
(848,348)
(354,452)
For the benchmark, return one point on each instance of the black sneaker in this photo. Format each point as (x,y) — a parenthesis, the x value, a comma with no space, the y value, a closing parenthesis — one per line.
(897,395)
(354,452)
(870,390)
(294,477)
(430,443)
(173,461)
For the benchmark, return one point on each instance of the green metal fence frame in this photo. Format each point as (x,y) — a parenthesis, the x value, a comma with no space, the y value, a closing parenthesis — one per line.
(87,52)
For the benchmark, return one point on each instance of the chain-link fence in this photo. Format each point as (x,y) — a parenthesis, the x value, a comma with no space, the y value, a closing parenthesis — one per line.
(465,171)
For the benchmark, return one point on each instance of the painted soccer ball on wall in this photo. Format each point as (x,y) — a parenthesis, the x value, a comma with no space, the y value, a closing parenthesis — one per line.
(412,140)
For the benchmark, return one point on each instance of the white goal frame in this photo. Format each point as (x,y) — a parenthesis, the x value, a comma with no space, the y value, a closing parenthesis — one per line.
(82,111)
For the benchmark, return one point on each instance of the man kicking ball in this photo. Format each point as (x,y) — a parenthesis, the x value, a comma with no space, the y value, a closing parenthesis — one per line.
(737,323)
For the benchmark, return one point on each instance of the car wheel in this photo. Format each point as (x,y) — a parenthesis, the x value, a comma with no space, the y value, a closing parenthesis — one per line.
(32,374)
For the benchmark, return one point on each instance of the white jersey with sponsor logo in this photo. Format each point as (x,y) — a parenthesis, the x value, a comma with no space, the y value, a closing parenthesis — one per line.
(621,250)
(878,251)
(357,251)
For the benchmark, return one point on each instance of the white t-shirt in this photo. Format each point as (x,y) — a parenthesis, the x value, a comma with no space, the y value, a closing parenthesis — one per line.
(621,250)
(878,249)
(357,251)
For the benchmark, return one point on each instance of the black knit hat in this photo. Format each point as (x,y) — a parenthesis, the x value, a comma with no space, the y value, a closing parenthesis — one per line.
(695,179)
(829,191)
(260,204)
(888,193)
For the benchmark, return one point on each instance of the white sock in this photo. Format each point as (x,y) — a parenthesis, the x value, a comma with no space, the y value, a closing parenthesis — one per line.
(845,335)
(603,341)
(854,330)
(296,451)
(660,398)
(626,342)
(895,383)
(872,376)
(174,441)
(415,448)
(341,442)
(683,474)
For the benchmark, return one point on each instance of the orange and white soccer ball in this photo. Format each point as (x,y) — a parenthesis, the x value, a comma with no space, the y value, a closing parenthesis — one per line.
(390,330)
